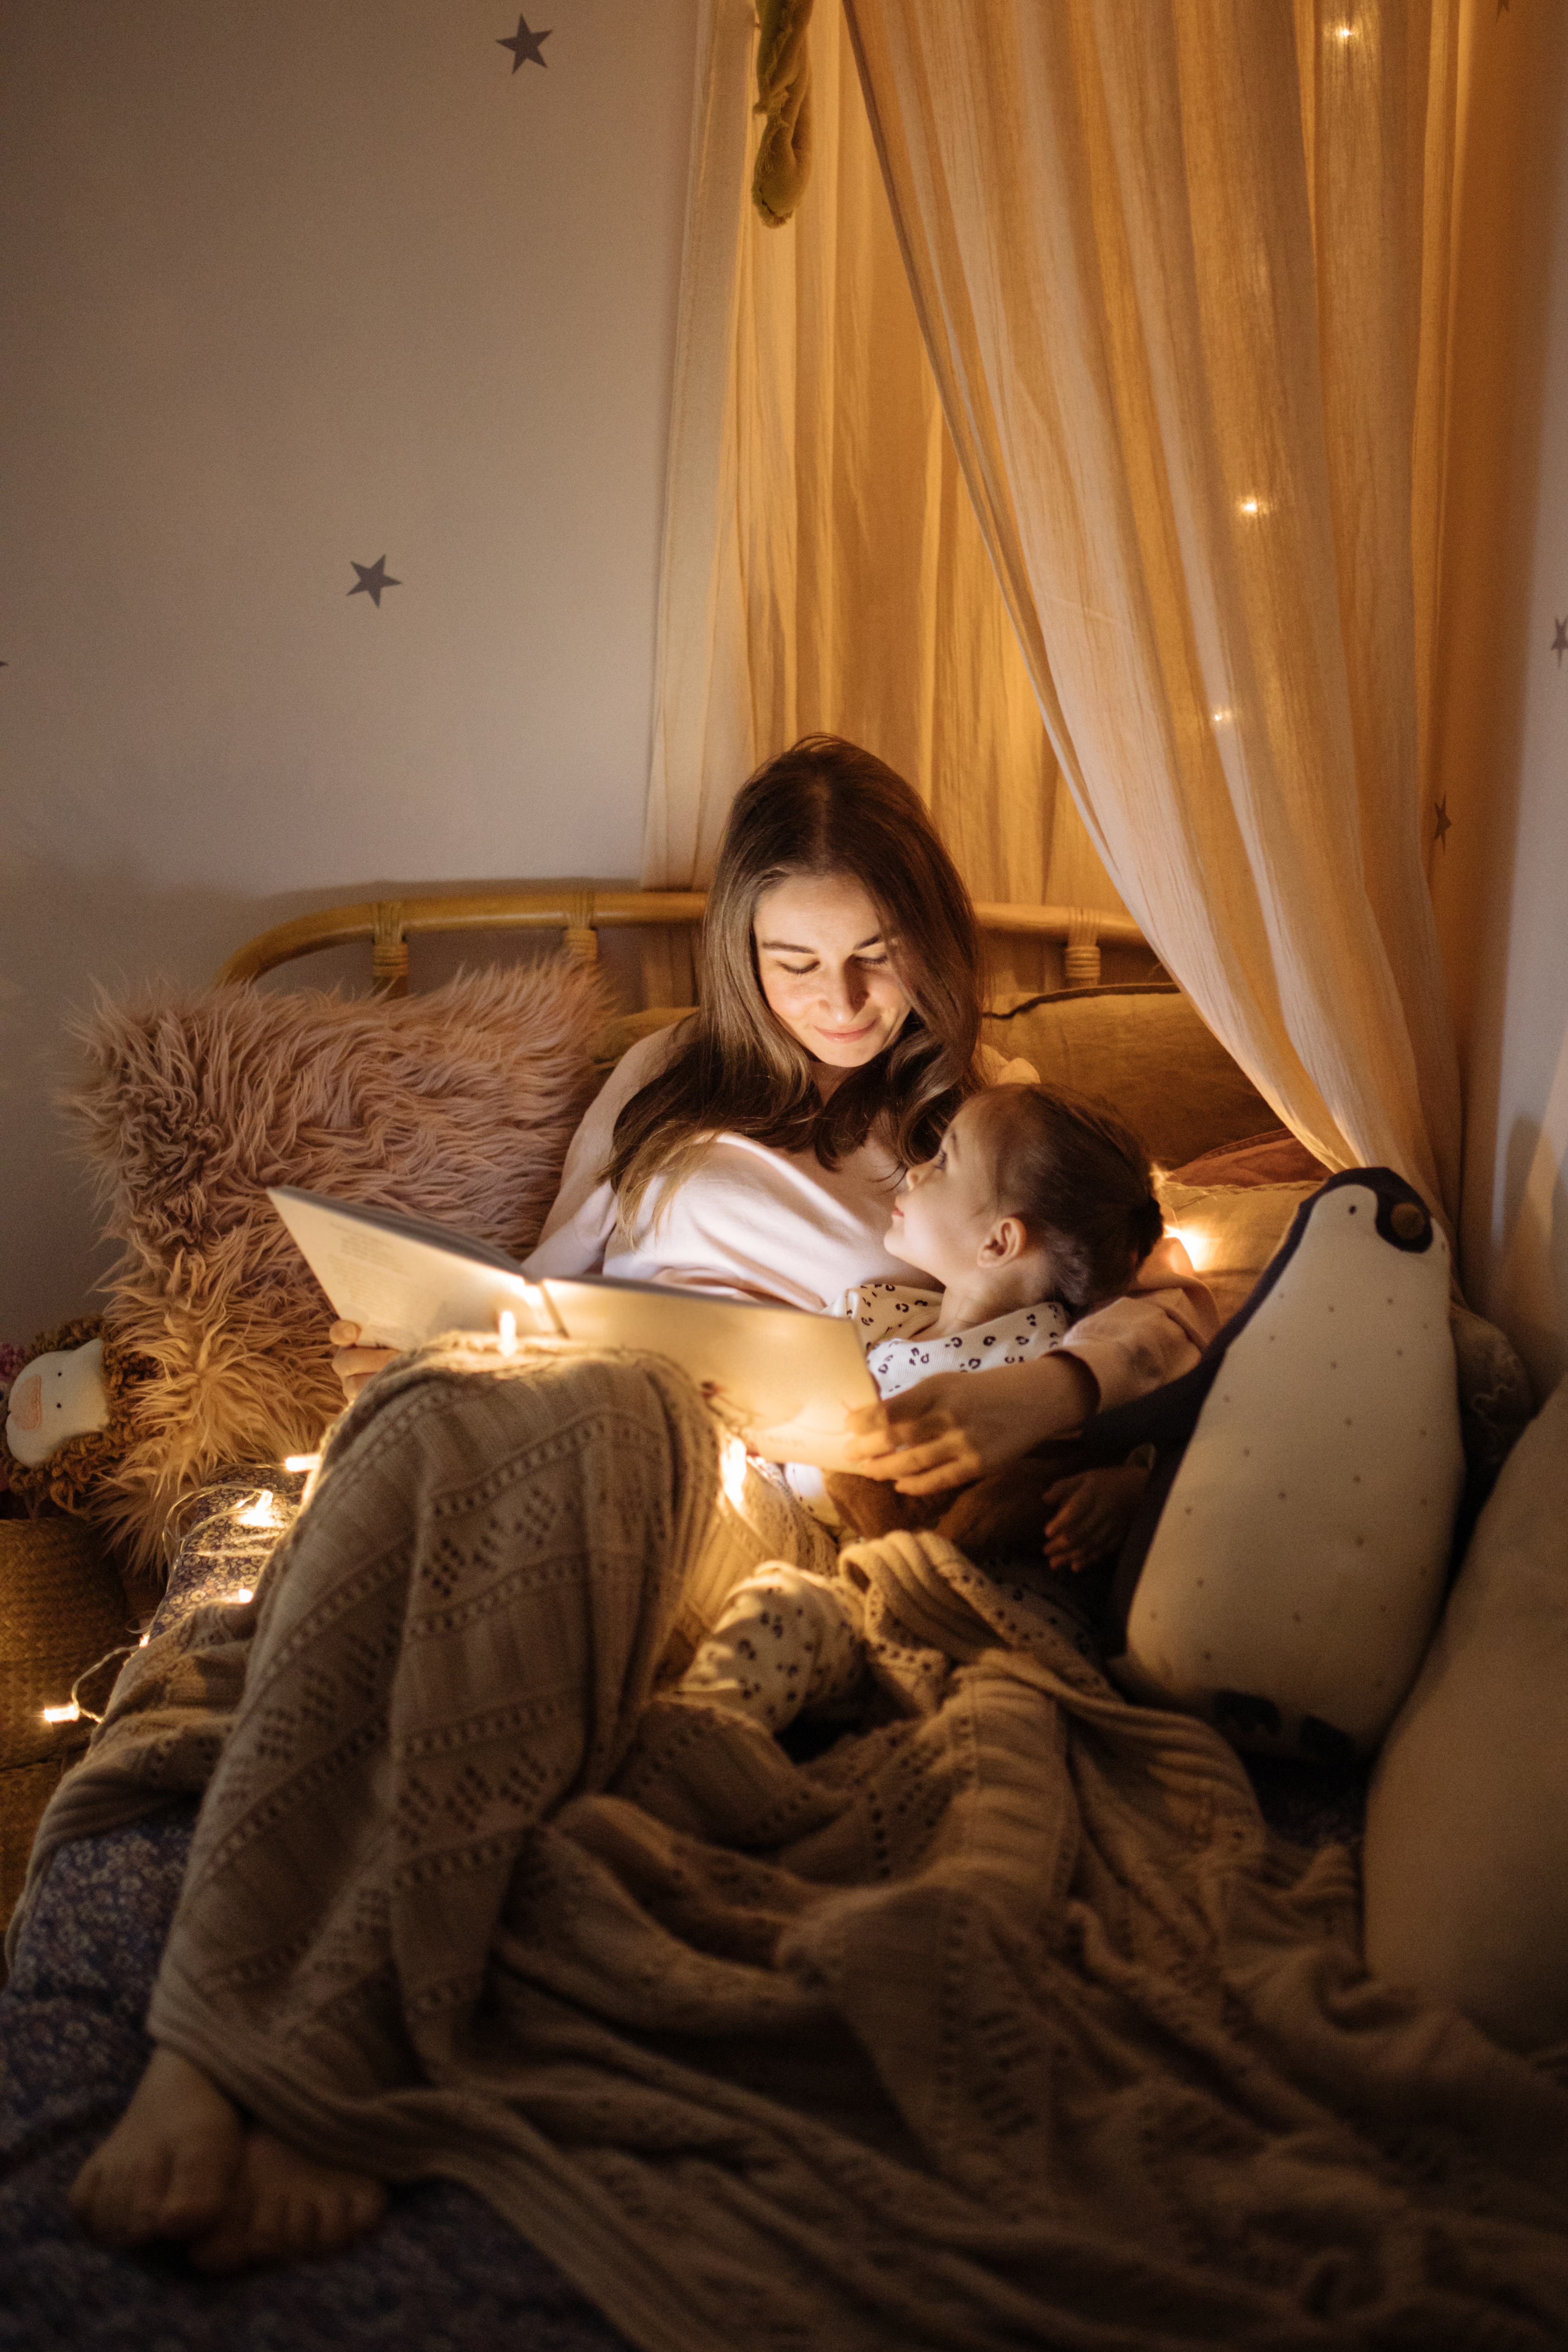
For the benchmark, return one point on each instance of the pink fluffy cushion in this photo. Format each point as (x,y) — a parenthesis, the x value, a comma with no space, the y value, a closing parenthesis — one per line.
(457,1105)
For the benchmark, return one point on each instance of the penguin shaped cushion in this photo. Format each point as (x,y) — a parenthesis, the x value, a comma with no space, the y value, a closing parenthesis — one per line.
(1289,1564)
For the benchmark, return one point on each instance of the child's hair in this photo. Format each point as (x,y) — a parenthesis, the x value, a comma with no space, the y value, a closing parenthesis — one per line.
(1081,1179)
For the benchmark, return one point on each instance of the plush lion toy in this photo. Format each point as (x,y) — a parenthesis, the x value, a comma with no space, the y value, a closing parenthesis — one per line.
(68,1416)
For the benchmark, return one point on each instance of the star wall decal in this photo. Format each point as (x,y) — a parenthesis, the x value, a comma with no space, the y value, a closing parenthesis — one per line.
(1443,824)
(525,45)
(372,578)
(1560,642)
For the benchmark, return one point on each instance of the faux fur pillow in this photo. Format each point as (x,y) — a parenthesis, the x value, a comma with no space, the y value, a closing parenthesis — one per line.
(457,1105)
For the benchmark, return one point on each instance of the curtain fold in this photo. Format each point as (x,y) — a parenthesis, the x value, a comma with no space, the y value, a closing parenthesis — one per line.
(824,567)
(1182,272)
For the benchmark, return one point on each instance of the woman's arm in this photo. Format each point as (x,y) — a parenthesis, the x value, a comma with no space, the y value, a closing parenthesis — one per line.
(583,1217)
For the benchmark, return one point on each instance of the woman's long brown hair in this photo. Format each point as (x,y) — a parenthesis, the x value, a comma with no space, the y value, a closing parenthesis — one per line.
(823,807)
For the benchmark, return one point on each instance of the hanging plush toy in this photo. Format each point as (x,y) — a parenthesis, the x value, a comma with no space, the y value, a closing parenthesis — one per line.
(68,1412)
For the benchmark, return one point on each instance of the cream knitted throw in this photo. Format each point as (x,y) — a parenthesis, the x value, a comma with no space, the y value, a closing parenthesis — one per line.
(1003,2024)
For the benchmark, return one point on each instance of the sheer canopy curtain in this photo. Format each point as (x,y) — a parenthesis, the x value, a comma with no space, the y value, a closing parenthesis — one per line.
(824,567)
(1182,269)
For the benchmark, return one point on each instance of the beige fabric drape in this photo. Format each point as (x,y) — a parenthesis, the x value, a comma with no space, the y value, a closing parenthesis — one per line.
(1182,268)
(822,565)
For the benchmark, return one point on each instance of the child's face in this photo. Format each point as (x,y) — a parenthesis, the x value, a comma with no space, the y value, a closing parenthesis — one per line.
(947,1207)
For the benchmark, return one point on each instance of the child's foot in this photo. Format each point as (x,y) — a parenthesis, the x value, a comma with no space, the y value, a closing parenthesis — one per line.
(167,2167)
(284,2207)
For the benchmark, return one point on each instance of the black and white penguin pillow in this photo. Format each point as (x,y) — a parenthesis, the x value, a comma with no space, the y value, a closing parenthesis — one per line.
(1288,1565)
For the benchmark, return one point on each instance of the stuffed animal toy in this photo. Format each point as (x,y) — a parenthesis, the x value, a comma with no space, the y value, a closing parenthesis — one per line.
(68,1412)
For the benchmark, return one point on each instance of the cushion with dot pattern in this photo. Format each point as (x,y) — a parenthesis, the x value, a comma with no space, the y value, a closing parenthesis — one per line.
(1289,1561)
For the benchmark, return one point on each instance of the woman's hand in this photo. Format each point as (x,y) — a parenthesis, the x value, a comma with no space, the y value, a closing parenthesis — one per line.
(958,1425)
(354,1364)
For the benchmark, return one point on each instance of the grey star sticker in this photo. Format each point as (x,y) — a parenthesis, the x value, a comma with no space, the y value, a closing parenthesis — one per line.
(524,46)
(1560,642)
(1442,824)
(372,578)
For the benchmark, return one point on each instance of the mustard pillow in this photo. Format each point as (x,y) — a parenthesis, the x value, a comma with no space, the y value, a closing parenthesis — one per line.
(1144,1048)
(1231,1231)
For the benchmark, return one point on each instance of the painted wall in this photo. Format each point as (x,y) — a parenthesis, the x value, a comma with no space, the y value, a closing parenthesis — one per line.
(1500,870)
(290,288)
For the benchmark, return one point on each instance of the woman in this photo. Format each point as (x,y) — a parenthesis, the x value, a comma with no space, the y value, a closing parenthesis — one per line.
(753,1150)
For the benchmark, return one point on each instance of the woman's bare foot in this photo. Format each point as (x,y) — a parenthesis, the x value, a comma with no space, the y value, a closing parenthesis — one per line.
(284,2207)
(167,2167)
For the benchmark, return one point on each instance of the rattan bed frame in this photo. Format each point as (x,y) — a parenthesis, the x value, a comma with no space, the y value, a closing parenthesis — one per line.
(580,911)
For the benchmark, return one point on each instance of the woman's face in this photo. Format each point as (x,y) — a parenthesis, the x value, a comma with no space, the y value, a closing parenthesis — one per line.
(825,968)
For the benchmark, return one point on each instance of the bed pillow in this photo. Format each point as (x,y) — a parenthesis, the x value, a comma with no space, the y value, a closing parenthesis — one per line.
(1289,1562)
(1142,1047)
(1231,1231)
(1274,1156)
(457,1105)
(1466,1866)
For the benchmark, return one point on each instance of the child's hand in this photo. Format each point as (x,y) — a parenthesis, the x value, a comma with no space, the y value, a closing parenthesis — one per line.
(1089,1515)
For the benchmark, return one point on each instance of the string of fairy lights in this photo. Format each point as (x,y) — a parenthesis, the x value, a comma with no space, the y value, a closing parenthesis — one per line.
(257,1513)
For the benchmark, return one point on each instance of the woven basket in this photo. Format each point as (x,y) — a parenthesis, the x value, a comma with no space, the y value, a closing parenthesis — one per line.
(61,1609)
(25,1790)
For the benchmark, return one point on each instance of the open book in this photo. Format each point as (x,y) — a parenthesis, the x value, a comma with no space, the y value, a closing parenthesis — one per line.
(779,1378)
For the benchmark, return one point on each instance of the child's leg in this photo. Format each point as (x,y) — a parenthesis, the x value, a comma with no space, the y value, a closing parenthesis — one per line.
(786,1640)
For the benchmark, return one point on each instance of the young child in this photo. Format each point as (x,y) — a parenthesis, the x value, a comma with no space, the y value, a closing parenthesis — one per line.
(1037,1208)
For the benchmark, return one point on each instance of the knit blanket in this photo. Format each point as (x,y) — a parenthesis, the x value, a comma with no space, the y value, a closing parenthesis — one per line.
(1003,2022)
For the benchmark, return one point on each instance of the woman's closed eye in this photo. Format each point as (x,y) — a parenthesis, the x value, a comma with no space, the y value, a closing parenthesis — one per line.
(870,963)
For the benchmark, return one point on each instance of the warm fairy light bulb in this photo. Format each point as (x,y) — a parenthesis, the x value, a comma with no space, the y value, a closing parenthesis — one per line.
(241,1593)
(1222,718)
(301,1462)
(1344,32)
(732,1469)
(259,1512)
(1190,1243)
(1250,507)
(71,1712)
(506,1324)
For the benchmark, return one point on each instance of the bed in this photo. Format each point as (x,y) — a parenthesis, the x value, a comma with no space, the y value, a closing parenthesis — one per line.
(1411,2222)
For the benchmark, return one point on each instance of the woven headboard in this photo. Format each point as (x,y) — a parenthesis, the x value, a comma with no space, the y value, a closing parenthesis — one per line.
(581,911)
